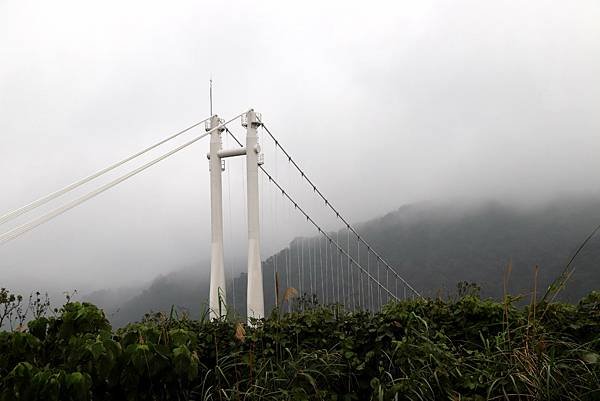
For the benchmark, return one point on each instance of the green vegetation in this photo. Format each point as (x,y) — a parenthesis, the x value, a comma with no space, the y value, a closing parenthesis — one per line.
(464,348)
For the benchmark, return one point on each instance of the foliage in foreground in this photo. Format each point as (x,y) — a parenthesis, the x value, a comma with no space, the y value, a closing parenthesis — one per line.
(461,349)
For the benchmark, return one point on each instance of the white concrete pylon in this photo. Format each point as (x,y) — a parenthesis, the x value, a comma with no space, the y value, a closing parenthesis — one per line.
(217,298)
(255,297)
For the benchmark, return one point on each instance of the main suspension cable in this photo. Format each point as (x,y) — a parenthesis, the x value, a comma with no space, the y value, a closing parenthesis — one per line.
(45,199)
(24,228)
(324,233)
(338,215)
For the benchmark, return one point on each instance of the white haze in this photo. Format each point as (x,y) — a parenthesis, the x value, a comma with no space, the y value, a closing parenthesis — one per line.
(384,103)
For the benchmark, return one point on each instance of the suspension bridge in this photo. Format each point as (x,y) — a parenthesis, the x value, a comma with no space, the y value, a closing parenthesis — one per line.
(332,267)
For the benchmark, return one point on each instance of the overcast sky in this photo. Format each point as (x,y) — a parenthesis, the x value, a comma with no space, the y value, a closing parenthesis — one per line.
(383,103)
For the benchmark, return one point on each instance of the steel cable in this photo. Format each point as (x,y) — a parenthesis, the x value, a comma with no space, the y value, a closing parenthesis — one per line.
(45,199)
(24,228)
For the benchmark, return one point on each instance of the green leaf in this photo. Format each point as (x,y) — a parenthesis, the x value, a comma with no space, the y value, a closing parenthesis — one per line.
(590,357)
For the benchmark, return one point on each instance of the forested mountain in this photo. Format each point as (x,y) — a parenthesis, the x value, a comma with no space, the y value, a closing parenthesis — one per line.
(434,246)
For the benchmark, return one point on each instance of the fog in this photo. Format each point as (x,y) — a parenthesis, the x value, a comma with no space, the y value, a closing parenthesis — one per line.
(383,104)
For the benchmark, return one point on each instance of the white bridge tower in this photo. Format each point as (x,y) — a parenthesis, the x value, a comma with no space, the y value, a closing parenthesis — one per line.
(255,296)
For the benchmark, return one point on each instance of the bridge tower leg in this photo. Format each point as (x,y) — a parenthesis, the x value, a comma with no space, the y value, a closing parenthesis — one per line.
(255,296)
(216,301)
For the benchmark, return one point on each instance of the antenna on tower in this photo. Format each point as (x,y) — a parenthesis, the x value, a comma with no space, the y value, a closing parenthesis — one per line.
(210,95)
